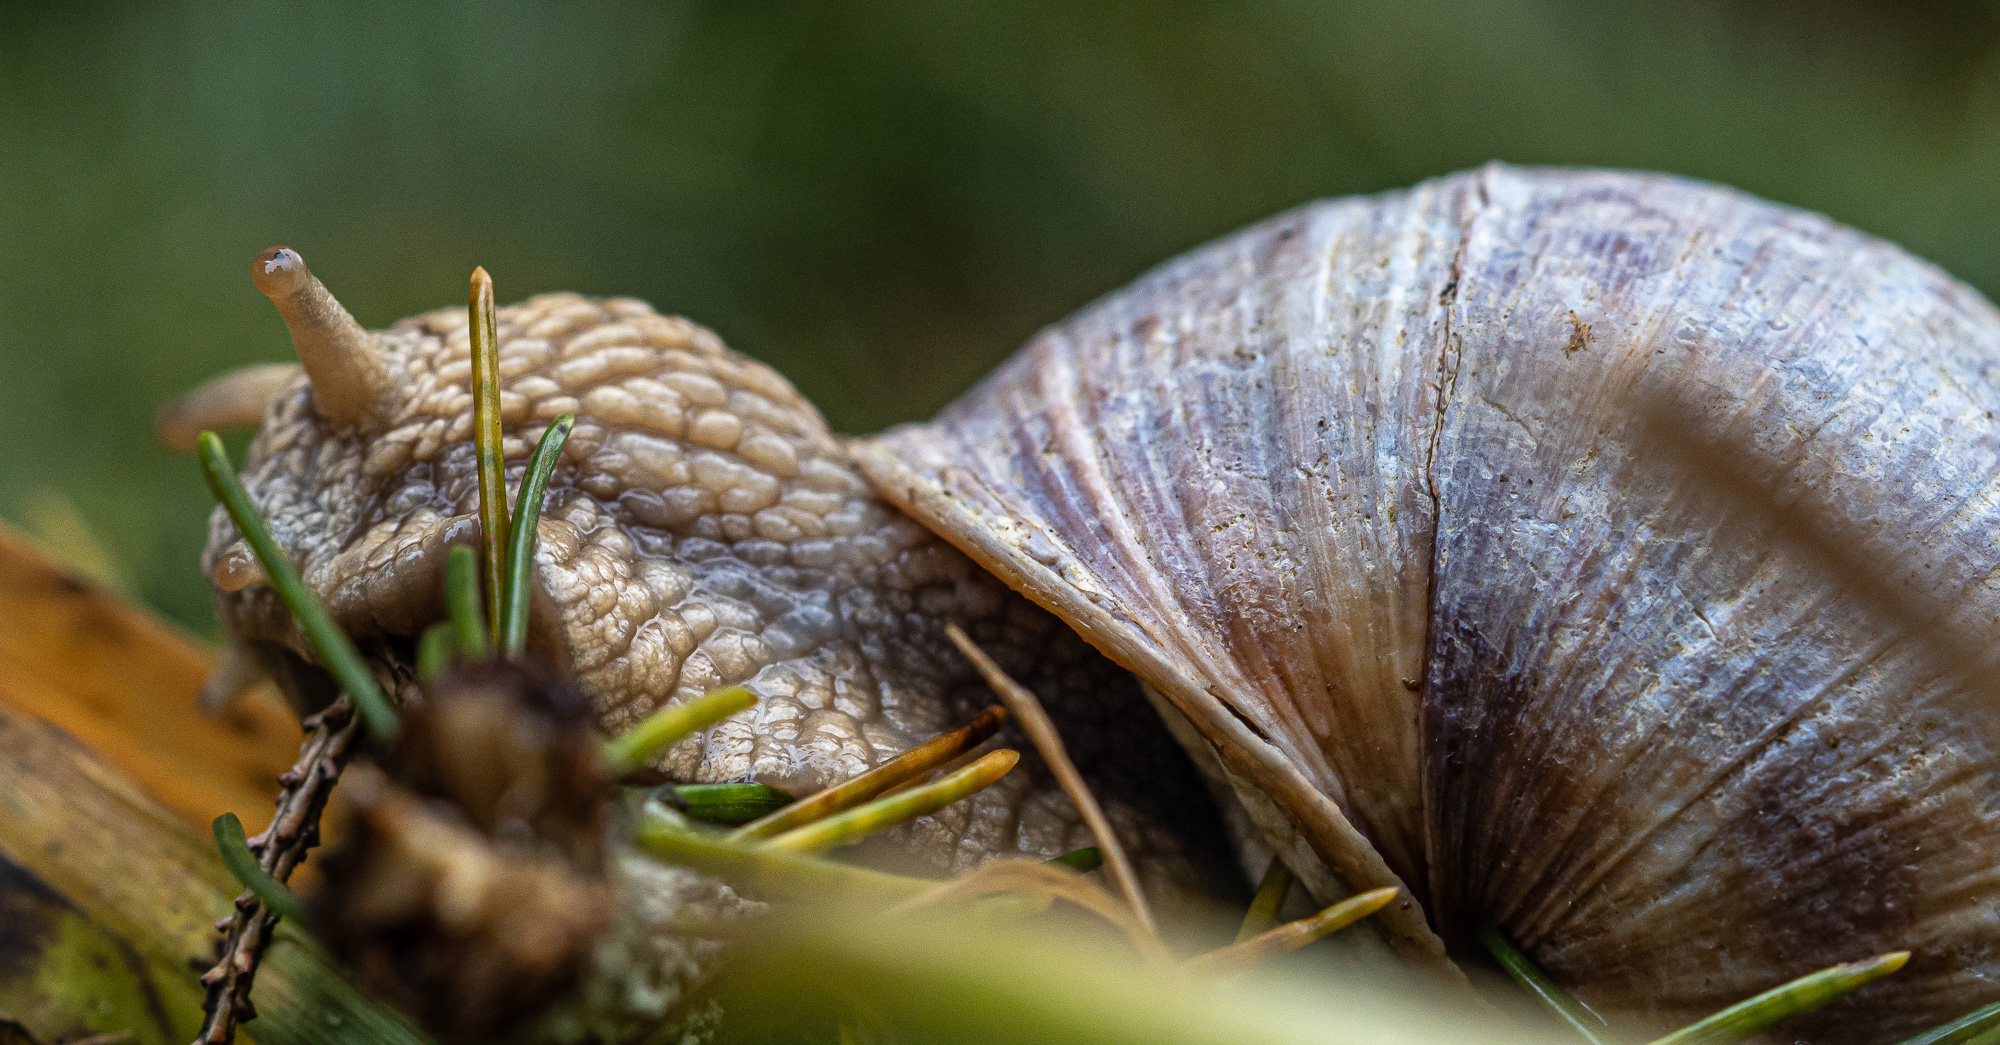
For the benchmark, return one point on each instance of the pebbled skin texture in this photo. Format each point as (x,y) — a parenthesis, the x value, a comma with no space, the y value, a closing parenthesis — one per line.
(703,528)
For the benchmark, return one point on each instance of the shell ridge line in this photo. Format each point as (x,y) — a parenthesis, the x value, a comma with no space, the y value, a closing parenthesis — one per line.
(1321,822)
(1449,357)
(1084,457)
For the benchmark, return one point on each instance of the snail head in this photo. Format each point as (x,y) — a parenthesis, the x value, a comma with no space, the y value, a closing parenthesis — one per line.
(703,528)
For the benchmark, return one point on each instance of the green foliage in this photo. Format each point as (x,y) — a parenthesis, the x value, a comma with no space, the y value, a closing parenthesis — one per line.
(242,864)
(464,616)
(872,197)
(631,749)
(1559,1003)
(1747,1019)
(727,804)
(517,574)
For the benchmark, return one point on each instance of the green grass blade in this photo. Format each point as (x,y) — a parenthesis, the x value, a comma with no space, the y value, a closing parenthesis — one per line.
(903,807)
(336,653)
(242,864)
(1246,954)
(849,793)
(1560,1003)
(1082,861)
(486,438)
(726,803)
(1803,995)
(461,603)
(631,749)
(521,539)
(434,652)
(1262,917)
(664,836)
(1978,1024)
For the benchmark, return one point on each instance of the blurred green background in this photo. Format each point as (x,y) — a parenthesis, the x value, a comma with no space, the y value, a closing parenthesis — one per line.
(880,199)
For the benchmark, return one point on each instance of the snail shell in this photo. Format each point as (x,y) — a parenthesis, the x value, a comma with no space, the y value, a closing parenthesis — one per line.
(1362,493)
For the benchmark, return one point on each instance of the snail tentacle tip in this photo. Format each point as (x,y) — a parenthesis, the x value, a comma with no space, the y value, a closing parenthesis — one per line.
(351,380)
(279,271)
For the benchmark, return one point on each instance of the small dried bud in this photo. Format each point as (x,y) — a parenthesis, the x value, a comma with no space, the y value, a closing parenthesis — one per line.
(472,889)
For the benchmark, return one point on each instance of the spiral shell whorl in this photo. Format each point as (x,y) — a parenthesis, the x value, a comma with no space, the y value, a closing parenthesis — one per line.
(1361,491)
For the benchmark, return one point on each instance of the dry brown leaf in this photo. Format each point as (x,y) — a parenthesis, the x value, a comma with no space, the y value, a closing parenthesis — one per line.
(124,683)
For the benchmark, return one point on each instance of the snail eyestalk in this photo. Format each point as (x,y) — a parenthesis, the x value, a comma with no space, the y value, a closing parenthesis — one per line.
(900,808)
(1262,916)
(1239,957)
(628,751)
(521,538)
(237,569)
(350,377)
(461,599)
(909,765)
(243,866)
(1560,1003)
(1034,721)
(484,328)
(234,400)
(336,652)
(1750,1018)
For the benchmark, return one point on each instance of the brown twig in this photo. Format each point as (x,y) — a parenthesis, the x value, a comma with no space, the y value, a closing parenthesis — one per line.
(330,740)
(1034,721)
(1035,878)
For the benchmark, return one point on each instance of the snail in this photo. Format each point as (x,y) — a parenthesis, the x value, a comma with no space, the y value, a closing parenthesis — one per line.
(1362,497)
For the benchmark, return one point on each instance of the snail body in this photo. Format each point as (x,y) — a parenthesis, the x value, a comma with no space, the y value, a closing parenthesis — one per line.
(1363,498)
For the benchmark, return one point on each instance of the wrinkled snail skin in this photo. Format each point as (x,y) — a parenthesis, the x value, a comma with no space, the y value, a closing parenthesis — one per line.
(1362,493)
(704,528)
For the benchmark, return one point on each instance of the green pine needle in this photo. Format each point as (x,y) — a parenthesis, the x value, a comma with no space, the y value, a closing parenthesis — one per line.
(1977,1025)
(1750,1018)
(1247,954)
(434,652)
(900,808)
(909,765)
(488,449)
(1082,861)
(1560,1003)
(628,751)
(461,602)
(521,539)
(1262,916)
(728,804)
(243,866)
(336,653)
(664,835)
